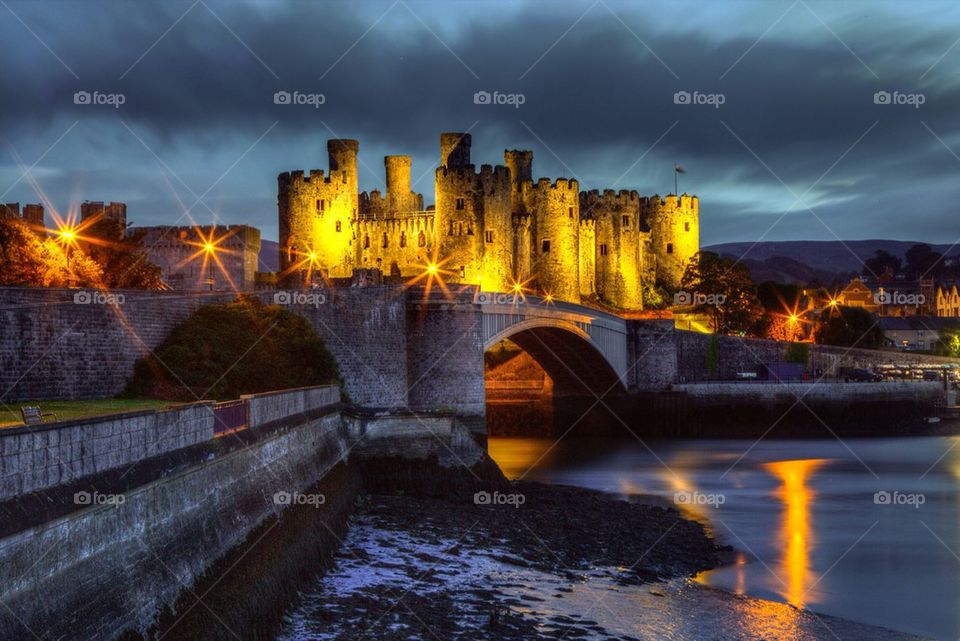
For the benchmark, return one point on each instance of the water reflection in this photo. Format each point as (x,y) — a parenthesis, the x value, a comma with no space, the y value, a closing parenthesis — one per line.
(796,534)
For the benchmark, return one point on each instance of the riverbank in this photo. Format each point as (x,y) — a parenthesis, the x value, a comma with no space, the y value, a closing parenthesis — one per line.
(537,562)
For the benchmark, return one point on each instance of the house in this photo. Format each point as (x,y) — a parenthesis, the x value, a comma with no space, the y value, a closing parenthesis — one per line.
(915,332)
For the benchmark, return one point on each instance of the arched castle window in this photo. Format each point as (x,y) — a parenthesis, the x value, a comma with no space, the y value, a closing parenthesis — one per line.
(603,250)
(460,203)
(686,226)
(469,230)
(450,233)
(321,204)
(338,226)
(626,221)
(488,236)
(459,229)
(403,239)
(384,242)
(570,212)
(366,241)
(545,246)
(422,239)
(669,248)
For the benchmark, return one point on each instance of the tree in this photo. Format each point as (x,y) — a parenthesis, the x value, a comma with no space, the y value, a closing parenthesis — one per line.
(848,327)
(722,288)
(30,260)
(122,257)
(949,344)
(923,262)
(223,351)
(881,263)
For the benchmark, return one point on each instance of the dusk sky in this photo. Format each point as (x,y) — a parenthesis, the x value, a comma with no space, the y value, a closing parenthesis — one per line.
(199,137)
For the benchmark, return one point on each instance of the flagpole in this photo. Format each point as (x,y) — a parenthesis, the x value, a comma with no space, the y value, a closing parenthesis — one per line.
(676,179)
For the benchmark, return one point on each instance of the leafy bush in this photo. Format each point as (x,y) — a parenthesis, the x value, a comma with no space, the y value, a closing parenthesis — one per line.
(243,347)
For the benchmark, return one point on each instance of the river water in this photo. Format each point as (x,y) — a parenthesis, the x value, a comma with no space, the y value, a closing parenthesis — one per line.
(863,529)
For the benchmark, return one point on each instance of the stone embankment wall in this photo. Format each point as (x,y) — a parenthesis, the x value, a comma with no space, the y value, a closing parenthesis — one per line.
(119,557)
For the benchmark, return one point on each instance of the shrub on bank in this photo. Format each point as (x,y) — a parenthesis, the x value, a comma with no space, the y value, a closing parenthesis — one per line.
(224,350)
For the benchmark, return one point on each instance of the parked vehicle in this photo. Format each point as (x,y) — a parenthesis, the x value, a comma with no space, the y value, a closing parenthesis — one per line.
(862,375)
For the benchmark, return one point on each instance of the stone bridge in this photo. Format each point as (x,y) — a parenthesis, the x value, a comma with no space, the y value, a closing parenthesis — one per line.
(578,346)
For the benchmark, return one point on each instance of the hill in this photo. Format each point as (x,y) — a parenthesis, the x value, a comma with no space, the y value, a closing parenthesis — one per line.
(828,255)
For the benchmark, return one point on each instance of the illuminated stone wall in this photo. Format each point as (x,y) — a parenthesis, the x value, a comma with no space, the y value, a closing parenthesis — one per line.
(494,227)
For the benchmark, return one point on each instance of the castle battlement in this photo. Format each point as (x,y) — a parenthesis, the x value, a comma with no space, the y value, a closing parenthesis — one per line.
(492,223)
(293,179)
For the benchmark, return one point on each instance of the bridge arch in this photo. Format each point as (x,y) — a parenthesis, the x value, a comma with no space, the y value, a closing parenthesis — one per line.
(581,349)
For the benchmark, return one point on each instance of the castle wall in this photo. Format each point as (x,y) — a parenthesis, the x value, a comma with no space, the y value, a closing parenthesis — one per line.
(675,230)
(556,250)
(316,220)
(397,246)
(619,252)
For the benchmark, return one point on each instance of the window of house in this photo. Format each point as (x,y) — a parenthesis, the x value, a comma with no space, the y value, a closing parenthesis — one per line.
(669,248)
(626,221)
(338,226)
(686,226)
(460,203)
(603,250)
(545,246)
(488,236)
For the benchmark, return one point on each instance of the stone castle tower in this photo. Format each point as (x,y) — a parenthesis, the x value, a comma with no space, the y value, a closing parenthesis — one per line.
(496,228)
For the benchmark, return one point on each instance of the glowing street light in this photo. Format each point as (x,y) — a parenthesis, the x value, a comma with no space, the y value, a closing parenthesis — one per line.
(432,269)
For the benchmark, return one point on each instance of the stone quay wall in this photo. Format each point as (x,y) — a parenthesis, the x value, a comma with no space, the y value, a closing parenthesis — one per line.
(99,569)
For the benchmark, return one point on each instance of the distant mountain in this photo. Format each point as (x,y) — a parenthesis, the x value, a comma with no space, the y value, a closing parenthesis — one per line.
(781,269)
(269,256)
(827,255)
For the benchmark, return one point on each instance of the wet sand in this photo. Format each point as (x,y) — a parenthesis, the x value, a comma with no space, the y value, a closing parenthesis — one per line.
(566,564)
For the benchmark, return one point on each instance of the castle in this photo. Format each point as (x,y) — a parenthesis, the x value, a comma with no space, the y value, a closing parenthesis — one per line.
(495,228)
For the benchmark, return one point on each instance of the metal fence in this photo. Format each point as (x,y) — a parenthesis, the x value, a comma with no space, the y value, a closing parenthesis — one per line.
(229,416)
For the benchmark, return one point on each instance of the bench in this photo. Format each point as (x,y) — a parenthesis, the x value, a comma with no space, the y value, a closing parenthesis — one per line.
(32,415)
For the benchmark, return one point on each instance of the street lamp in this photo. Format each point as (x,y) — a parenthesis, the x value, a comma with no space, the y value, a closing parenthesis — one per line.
(209,248)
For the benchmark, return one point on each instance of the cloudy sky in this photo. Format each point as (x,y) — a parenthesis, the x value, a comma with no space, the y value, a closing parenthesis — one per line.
(782,136)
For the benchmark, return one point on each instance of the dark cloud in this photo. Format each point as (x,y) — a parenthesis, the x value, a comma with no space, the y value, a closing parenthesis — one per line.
(798,105)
